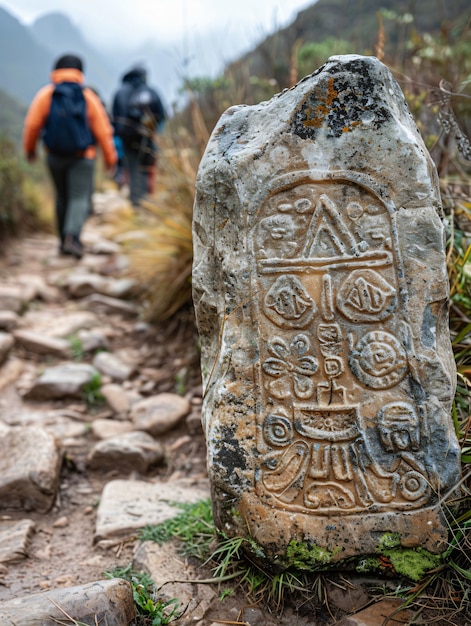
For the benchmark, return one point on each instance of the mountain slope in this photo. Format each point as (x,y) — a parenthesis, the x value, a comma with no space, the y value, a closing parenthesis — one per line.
(354,22)
(59,35)
(25,63)
(12,114)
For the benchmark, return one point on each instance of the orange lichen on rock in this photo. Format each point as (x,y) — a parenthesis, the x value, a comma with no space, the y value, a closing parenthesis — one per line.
(323,108)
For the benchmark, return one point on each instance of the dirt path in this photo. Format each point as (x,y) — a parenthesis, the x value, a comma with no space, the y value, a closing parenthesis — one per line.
(61,551)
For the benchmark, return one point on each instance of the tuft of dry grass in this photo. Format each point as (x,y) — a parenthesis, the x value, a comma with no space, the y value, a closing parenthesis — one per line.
(161,253)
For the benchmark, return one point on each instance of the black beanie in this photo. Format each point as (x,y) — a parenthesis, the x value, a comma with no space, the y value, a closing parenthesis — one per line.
(69,61)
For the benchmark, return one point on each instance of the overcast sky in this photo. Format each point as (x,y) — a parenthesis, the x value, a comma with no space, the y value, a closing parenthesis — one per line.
(169,21)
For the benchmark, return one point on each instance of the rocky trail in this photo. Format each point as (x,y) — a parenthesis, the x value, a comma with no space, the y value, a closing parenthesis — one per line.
(99,430)
(68,333)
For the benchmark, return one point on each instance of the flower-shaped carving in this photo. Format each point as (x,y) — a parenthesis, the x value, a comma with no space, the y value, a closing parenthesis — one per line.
(291,366)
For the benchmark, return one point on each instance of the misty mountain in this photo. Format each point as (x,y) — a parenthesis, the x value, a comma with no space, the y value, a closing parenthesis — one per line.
(355,22)
(56,33)
(29,52)
(25,63)
(12,113)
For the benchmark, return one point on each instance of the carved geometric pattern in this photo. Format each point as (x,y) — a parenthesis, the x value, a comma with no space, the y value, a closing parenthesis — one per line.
(328,306)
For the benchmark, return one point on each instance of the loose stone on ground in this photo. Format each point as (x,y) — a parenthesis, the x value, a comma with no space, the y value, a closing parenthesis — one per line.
(126,506)
(14,539)
(29,469)
(109,600)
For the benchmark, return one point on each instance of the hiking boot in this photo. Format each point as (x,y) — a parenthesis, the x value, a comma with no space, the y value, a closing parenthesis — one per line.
(72,246)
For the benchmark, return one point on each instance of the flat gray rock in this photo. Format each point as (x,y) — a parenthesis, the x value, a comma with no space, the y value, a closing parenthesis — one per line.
(61,381)
(102,602)
(83,284)
(165,566)
(91,340)
(132,451)
(108,428)
(159,414)
(42,344)
(15,536)
(65,325)
(111,365)
(29,469)
(105,304)
(128,505)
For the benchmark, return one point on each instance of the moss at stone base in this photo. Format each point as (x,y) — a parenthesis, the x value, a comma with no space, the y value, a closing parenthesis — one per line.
(307,557)
(412,563)
(389,540)
(392,559)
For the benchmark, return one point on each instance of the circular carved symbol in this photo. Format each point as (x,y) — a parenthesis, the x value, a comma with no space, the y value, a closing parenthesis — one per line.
(288,304)
(413,485)
(277,430)
(366,296)
(378,360)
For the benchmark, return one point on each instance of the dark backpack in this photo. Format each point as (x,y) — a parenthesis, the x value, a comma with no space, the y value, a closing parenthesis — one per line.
(134,109)
(66,131)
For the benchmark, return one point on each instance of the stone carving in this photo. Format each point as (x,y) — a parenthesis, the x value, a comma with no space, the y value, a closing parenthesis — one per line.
(320,289)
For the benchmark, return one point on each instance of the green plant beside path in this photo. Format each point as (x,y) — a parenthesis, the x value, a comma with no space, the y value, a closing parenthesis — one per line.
(152,610)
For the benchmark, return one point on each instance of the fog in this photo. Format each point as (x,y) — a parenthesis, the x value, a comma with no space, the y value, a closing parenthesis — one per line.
(174,22)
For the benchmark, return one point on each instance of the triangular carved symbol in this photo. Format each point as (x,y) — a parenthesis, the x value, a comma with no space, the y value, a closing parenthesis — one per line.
(328,234)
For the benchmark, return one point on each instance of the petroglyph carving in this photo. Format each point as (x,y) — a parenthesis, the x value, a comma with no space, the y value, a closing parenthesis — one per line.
(316,456)
(320,290)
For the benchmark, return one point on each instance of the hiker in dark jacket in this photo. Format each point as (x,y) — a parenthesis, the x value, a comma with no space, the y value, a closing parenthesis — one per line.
(138,114)
(71,169)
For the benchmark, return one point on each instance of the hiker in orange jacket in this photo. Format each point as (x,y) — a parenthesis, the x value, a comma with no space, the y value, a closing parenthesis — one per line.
(72,174)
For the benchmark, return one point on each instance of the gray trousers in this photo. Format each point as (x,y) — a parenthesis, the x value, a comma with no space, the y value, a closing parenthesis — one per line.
(73,184)
(138,175)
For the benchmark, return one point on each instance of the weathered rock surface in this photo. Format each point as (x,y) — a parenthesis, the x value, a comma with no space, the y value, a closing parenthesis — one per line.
(133,451)
(111,365)
(107,428)
(42,344)
(65,325)
(127,505)
(92,340)
(321,289)
(83,284)
(13,297)
(159,414)
(384,610)
(104,601)
(14,539)
(61,381)
(8,320)
(29,469)
(116,398)
(106,304)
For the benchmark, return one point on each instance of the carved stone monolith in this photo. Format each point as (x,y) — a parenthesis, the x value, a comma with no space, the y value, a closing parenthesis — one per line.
(320,288)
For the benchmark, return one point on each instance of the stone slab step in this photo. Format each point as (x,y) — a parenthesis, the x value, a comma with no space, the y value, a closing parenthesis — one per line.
(103,602)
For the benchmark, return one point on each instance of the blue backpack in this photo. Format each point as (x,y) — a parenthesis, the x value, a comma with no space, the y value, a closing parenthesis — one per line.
(66,131)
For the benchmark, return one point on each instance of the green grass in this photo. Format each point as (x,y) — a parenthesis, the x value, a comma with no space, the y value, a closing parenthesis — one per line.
(193,528)
(151,609)
(76,348)
(91,393)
